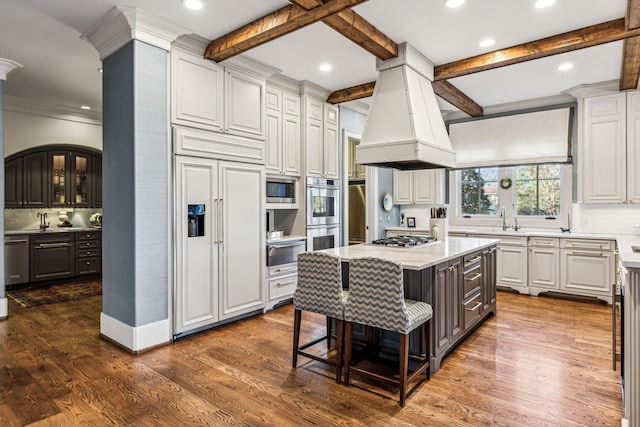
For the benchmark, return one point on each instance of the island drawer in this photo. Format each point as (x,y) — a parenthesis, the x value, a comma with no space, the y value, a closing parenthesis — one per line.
(471,309)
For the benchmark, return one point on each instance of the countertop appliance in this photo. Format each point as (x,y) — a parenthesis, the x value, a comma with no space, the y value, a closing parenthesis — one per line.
(406,241)
(323,213)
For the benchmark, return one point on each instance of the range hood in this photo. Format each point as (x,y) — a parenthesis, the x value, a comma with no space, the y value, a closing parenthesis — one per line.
(404,128)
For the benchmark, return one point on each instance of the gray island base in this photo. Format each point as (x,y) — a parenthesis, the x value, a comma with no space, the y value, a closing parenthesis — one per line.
(456,276)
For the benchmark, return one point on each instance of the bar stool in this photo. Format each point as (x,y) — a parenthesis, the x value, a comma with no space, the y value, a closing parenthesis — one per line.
(376,299)
(320,291)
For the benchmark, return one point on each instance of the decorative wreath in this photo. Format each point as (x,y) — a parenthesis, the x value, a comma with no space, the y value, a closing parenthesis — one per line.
(505,183)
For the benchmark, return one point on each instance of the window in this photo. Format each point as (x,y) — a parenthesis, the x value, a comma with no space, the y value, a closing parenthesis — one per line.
(538,190)
(536,194)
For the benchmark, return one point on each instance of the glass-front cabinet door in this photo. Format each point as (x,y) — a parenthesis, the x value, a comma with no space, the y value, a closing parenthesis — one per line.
(70,179)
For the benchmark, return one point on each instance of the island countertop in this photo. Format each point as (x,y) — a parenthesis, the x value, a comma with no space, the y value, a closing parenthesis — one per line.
(416,258)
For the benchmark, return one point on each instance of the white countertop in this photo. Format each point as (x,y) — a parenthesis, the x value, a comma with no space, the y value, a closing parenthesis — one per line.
(416,258)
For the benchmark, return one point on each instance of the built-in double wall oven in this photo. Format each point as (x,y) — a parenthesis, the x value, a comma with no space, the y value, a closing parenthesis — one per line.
(323,213)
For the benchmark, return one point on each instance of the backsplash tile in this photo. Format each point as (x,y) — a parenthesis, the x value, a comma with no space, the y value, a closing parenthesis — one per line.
(27,219)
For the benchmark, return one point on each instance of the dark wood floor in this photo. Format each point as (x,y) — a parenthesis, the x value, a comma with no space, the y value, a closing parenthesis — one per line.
(540,362)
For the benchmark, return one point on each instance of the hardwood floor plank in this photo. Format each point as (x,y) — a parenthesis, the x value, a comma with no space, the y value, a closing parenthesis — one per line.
(538,362)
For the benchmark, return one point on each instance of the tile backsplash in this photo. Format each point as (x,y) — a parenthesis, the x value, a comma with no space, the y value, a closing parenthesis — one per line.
(26,219)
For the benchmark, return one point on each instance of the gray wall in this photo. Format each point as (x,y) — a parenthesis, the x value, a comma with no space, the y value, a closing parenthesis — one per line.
(2,266)
(135,184)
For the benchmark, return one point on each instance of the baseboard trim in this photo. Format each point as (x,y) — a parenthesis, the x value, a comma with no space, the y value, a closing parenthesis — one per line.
(4,308)
(136,339)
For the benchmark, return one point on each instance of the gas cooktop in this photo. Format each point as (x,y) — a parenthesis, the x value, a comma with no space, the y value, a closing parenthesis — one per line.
(406,241)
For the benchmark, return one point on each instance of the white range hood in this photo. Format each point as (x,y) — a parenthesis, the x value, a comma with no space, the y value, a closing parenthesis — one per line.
(404,128)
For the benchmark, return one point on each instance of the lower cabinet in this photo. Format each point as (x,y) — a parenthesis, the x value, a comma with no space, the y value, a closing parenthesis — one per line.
(220,242)
(88,252)
(544,264)
(446,304)
(52,256)
(588,267)
(282,281)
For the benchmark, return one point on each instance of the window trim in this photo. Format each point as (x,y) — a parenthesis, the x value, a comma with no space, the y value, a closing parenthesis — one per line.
(507,199)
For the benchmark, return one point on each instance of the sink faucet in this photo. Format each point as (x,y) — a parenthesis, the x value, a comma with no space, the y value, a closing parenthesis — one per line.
(44,224)
(516,227)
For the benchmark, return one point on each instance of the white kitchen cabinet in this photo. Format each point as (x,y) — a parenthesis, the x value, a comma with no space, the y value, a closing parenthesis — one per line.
(418,187)
(321,138)
(282,132)
(603,149)
(511,263)
(544,264)
(207,96)
(220,274)
(633,147)
(588,267)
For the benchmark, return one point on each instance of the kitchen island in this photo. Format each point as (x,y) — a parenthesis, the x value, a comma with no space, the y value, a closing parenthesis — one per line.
(455,276)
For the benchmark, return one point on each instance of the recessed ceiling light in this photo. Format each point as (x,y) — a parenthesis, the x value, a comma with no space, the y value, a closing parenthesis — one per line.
(487,42)
(85,107)
(544,3)
(193,4)
(566,66)
(453,3)
(326,67)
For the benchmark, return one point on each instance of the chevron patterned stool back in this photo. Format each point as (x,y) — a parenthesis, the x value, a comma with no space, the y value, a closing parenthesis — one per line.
(376,299)
(319,290)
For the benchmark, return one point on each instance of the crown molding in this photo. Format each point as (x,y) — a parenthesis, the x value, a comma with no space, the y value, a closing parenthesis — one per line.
(357,106)
(60,112)
(124,23)
(7,66)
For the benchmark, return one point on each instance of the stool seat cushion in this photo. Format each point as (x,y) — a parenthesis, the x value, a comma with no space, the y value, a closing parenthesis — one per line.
(417,313)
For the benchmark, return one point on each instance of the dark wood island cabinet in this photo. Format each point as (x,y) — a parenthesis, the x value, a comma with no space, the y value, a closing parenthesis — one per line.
(457,278)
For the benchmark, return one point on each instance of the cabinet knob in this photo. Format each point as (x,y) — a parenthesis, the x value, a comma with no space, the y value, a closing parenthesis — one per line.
(88,263)
(88,244)
(88,252)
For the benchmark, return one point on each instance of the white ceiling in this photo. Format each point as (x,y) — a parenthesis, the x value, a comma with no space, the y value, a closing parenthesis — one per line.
(61,68)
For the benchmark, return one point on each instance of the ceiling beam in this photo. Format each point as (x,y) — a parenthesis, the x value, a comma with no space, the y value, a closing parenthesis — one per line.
(630,70)
(593,35)
(357,29)
(276,24)
(455,97)
(351,93)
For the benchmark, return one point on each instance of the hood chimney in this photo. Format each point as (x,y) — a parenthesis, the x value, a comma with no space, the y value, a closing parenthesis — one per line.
(404,128)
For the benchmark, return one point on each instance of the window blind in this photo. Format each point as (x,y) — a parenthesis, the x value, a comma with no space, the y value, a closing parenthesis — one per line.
(537,137)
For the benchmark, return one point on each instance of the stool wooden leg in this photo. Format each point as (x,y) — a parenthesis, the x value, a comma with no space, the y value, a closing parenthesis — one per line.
(348,337)
(339,349)
(297,318)
(404,361)
(329,322)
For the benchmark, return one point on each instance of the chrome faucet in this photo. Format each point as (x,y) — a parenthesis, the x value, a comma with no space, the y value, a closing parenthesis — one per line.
(515,218)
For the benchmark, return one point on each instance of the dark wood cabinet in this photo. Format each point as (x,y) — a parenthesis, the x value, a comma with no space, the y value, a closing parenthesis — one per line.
(52,256)
(88,252)
(13,183)
(54,177)
(446,316)
(489,279)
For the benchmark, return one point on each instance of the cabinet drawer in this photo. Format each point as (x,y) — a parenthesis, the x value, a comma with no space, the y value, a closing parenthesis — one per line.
(51,238)
(88,235)
(88,253)
(88,244)
(472,281)
(543,242)
(88,266)
(282,286)
(471,309)
(282,269)
(606,245)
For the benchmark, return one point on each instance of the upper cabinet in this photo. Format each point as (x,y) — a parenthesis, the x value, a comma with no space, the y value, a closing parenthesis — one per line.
(321,138)
(207,96)
(418,187)
(609,148)
(282,132)
(54,176)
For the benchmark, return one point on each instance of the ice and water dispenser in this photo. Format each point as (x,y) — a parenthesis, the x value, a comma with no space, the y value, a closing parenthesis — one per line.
(195,220)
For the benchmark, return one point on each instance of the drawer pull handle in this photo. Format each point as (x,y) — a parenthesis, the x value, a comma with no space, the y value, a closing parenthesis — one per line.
(54,245)
(586,253)
(471,279)
(478,304)
(285,283)
(471,261)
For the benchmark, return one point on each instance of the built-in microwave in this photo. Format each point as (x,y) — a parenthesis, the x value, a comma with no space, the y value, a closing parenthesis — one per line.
(281,190)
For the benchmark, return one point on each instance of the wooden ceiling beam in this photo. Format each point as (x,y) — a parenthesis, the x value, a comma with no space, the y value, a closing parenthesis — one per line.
(593,35)
(276,24)
(357,29)
(455,97)
(351,93)
(630,69)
